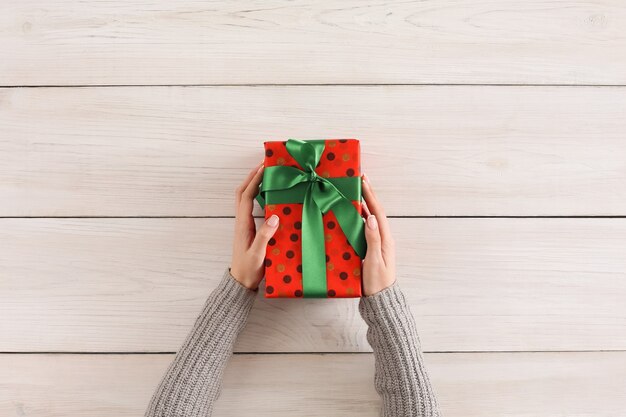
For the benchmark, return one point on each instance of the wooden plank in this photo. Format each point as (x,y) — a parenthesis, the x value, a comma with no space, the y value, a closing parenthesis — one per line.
(233,42)
(119,285)
(429,150)
(469,385)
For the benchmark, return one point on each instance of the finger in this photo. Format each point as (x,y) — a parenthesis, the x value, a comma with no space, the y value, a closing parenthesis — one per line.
(372,236)
(264,234)
(366,210)
(376,209)
(245,183)
(248,194)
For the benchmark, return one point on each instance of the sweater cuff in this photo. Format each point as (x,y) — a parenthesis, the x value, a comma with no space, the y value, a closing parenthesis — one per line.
(374,308)
(234,295)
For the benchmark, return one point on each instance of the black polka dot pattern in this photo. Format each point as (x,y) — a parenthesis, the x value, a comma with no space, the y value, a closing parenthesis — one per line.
(290,254)
(287,279)
(350,172)
(269,289)
(287,210)
(269,153)
(331,293)
(293,237)
(343,276)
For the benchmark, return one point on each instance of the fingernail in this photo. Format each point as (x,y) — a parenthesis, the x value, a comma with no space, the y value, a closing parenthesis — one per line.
(273,220)
(366,178)
(372,223)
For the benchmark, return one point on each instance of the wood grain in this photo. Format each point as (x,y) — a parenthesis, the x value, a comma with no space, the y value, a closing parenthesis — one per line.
(468,385)
(444,151)
(134,285)
(491,108)
(123,42)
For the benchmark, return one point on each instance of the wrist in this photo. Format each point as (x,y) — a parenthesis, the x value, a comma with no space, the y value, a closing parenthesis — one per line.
(377,287)
(243,279)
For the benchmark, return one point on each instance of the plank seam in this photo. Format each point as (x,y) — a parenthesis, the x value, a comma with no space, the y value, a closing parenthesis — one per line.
(315,85)
(446,352)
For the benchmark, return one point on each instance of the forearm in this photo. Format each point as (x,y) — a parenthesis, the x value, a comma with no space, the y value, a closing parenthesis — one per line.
(400,376)
(193,381)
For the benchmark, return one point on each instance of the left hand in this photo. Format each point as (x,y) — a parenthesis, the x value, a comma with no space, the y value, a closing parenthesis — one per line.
(248,243)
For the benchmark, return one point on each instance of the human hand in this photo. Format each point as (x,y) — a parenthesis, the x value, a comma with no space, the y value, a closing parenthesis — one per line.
(248,243)
(379,266)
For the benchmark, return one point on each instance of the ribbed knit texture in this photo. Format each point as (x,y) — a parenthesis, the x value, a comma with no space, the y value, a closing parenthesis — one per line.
(192,382)
(400,376)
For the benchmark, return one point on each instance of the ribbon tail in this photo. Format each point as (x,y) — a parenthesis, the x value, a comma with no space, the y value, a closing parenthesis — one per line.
(350,220)
(313,248)
(352,225)
(259,198)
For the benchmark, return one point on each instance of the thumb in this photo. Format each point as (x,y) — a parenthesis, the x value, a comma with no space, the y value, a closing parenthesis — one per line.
(372,236)
(264,234)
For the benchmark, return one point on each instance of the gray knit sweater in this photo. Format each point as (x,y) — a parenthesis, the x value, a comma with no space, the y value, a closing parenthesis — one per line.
(192,383)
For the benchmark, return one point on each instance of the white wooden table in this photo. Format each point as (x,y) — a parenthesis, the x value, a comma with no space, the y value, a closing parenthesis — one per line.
(494,132)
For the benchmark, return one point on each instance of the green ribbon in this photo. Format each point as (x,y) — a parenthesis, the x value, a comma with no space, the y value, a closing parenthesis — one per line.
(286,184)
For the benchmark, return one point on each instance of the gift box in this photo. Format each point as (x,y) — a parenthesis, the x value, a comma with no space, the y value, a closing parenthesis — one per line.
(314,187)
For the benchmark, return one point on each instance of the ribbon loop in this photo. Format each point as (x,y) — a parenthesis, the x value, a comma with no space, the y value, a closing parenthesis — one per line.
(307,154)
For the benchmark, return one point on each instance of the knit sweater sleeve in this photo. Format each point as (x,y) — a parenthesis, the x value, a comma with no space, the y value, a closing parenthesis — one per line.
(400,375)
(192,382)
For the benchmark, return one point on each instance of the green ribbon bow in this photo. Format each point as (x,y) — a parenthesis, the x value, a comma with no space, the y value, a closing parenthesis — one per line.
(285,184)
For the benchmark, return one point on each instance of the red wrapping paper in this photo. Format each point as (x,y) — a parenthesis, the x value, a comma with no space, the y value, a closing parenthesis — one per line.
(283,258)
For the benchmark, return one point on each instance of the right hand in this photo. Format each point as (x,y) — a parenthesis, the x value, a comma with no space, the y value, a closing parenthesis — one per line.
(379,265)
